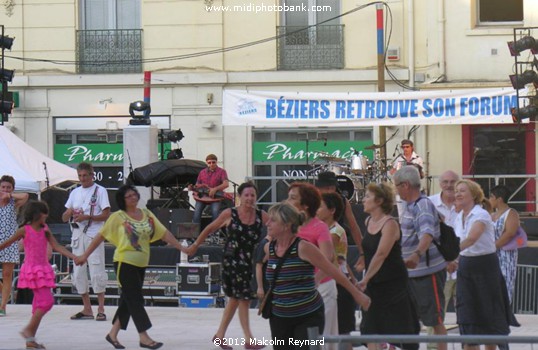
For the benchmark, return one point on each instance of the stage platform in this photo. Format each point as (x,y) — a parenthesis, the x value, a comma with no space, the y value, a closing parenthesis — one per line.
(177,328)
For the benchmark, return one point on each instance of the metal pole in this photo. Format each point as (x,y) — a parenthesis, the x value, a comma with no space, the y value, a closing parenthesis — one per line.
(381,72)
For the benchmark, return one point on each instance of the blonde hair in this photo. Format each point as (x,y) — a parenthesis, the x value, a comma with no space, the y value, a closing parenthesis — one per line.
(287,214)
(477,193)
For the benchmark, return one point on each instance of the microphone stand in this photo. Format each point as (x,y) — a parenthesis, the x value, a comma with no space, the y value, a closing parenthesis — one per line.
(235,185)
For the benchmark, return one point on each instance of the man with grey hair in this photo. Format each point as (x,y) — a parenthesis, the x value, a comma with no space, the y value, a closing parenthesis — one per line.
(444,203)
(426,266)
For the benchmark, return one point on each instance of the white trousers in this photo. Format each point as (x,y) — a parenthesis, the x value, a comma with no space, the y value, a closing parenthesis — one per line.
(329,293)
(95,265)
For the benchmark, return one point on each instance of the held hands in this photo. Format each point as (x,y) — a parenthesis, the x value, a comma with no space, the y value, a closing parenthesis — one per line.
(80,260)
(190,250)
(452,266)
(412,261)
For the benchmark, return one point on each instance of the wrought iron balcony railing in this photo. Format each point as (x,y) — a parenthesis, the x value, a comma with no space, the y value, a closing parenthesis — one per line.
(109,51)
(319,47)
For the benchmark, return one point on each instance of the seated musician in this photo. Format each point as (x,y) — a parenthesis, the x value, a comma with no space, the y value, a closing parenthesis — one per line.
(409,157)
(211,183)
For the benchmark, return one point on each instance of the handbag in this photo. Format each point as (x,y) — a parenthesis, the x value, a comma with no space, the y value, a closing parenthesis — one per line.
(266,305)
(518,241)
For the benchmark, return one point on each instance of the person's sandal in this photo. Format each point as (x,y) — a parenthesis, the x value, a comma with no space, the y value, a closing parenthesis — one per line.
(2,312)
(81,316)
(115,343)
(100,317)
(32,344)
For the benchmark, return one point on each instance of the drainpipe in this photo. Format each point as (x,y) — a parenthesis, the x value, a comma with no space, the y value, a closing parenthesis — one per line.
(411,41)
(441,39)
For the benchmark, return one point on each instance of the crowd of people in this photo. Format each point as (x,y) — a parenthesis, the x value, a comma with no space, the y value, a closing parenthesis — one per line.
(400,280)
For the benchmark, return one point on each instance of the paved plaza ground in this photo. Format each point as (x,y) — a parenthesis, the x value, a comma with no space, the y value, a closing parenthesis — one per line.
(178,328)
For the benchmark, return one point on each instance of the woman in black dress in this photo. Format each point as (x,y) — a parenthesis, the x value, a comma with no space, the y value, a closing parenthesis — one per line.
(385,281)
(243,224)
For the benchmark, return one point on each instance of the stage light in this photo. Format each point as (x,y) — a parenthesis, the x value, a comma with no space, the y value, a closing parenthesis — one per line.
(175,136)
(6,107)
(140,106)
(527,77)
(525,43)
(175,154)
(529,112)
(6,42)
(6,75)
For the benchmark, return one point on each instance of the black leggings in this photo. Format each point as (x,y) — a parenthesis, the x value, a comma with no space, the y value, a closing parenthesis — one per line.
(296,328)
(131,304)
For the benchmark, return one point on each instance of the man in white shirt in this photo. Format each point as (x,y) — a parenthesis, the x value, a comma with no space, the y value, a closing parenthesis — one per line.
(88,208)
(444,203)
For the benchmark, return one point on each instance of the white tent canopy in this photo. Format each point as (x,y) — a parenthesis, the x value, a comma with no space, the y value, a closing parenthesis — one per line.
(27,165)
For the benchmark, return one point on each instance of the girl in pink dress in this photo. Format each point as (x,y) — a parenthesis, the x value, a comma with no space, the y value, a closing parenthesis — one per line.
(36,272)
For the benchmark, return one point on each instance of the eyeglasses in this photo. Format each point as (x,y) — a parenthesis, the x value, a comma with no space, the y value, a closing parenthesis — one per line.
(131,195)
(211,162)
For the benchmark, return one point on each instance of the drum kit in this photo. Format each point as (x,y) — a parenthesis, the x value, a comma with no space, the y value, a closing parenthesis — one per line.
(353,174)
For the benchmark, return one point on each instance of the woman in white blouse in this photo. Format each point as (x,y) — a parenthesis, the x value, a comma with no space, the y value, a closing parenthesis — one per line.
(482,306)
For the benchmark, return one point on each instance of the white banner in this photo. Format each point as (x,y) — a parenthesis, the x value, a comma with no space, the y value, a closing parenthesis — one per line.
(292,109)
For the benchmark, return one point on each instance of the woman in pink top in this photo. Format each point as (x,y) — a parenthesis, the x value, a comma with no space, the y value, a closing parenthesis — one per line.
(307,199)
(36,272)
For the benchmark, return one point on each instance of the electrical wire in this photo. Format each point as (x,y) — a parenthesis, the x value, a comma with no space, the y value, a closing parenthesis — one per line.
(388,19)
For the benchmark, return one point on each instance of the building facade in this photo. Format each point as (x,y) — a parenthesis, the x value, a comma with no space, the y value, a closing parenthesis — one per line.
(80,63)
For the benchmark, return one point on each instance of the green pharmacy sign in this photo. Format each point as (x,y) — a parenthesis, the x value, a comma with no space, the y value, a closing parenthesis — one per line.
(108,153)
(295,151)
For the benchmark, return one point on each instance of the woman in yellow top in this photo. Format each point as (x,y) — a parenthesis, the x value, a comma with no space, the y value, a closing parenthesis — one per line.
(131,230)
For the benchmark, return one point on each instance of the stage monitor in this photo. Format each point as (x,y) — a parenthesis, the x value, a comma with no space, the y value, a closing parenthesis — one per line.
(187,230)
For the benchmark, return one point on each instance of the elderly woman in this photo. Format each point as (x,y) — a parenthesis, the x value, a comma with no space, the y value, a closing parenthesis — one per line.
(506,221)
(9,203)
(131,230)
(386,278)
(297,305)
(483,306)
(243,226)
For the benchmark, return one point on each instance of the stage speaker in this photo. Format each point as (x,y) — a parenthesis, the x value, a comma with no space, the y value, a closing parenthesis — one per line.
(181,215)
(155,203)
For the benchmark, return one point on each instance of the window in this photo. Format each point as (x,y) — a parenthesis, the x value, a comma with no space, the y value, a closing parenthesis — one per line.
(110,14)
(110,39)
(316,47)
(499,11)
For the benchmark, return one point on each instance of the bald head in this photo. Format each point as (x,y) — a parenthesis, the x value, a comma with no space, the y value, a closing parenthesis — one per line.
(448,180)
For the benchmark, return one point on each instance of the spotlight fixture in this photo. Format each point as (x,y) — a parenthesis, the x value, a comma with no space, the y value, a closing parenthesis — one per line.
(175,154)
(6,75)
(6,107)
(175,136)
(6,42)
(525,43)
(527,77)
(142,119)
(529,112)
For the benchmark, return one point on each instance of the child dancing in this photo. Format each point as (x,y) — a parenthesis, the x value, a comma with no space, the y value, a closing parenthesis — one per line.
(36,272)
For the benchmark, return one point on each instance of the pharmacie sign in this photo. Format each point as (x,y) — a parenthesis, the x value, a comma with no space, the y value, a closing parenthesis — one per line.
(109,153)
(295,151)
(292,109)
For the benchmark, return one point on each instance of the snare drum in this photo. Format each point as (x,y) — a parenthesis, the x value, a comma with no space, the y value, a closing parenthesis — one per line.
(359,164)
(345,185)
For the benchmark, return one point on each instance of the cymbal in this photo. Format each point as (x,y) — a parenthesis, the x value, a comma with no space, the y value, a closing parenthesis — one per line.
(332,159)
(373,146)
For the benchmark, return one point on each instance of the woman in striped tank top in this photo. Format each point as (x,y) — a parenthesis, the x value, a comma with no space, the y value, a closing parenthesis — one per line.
(297,305)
